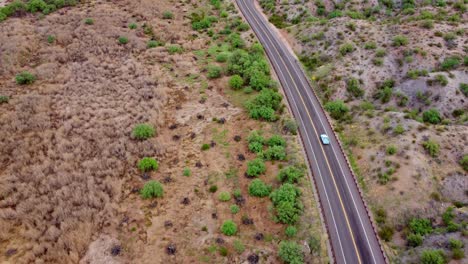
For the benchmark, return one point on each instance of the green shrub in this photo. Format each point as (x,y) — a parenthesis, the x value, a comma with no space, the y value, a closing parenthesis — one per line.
(290,126)
(455,244)
(386,233)
(414,240)
(337,109)
(234,209)
(238,246)
(213,188)
(380,53)
(236,82)
(432,148)
(276,140)
(346,48)
(123,40)
(450,63)
(224,196)
(258,188)
(152,189)
(229,228)
(399,129)
(370,45)
(153,44)
(205,146)
(464,88)
(290,231)
(132,26)
(440,78)
(290,252)
(287,205)
(420,226)
(290,174)
(400,40)
(458,253)
(50,39)
(148,164)
(89,21)
(391,150)
(255,167)
(173,49)
(222,57)
(25,77)
(187,172)
(463,161)
(275,153)
(143,131)
(256,147)
(168,15)
(4,99)
(428,24)
(264,105)
(214,71)
(432,256)
(353,87)
(432,116)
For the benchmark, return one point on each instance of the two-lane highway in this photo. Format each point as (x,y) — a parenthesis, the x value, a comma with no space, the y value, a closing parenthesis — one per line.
(350,229)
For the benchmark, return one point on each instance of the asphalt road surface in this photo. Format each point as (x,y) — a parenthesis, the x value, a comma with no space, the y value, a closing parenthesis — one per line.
(353,239)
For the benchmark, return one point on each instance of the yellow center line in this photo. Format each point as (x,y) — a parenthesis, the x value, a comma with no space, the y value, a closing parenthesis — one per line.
(321,146)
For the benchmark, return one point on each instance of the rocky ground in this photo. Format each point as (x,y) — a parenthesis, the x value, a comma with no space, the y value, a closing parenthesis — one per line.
(69,182)
(366,43)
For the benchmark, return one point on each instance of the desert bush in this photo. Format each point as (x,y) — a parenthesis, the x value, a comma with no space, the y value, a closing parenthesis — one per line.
(168,15)
(380,53)
(234,209)
(173,49)
(153,44)
(450,63)
(337,109)
(420,226)
(414,240)
(346,48)
(386,232)
(370,45)
(205,146)
(400,40)
(236,82)
(152,189)
(222,56)
(255,167)
(278,21)
(258,188)
(213,188)
(290,126)
(464,88)
(214,71)
(264,105)
(458,253)
(187,172)
(50,39)
(286,202)
(229,228)
(275,153)
(224,196)
(353,87)
(290,231)
(123,40)
(399,129)
(143,131)
(432,148)
(89,21)
(4,99)
(290,174)
(432,256)
(236,41)
(201,22)
(391,150)
(441,79)
(148,164)
(25,77)
(238,246)
(276,140)
(132,26)
(432,116)
(290,252)
(428,24)
(464,162)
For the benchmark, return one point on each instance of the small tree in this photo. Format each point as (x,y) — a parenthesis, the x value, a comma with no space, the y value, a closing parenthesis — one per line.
(259,189)
(255,167)
(143,131)
(148,164)
(229,228)
(236,82)
(152,189)
(290,252)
